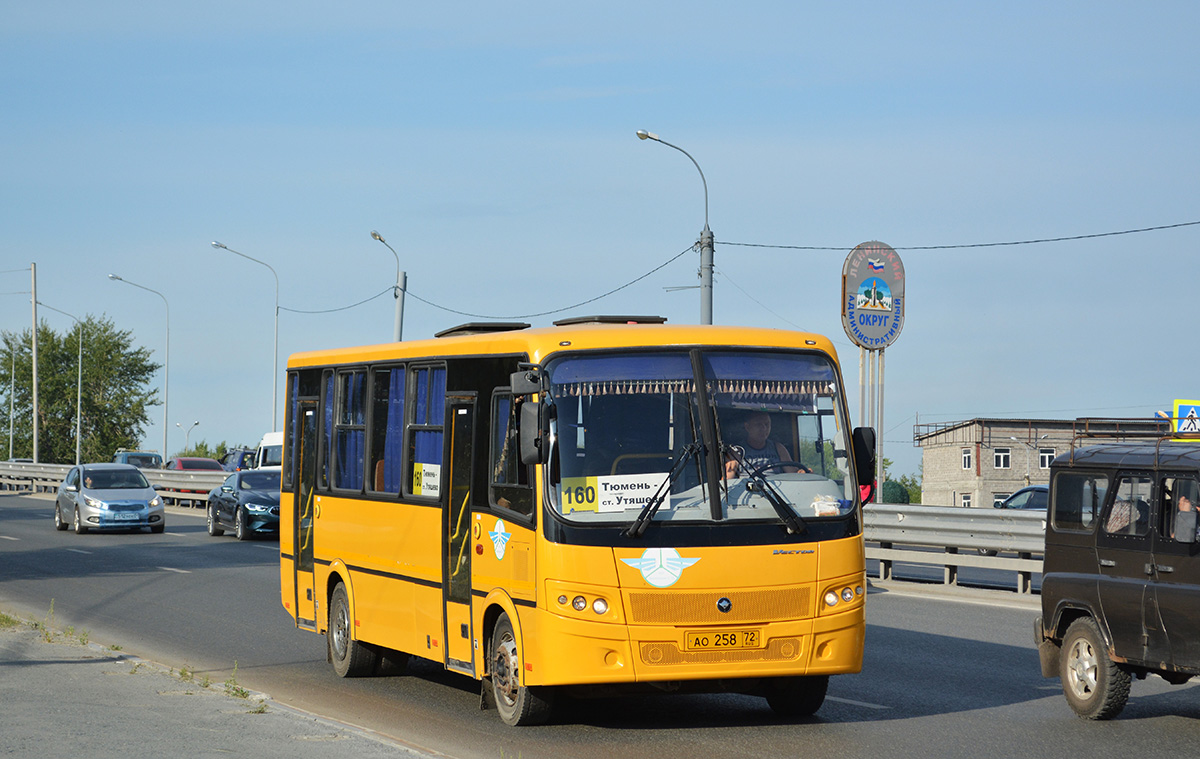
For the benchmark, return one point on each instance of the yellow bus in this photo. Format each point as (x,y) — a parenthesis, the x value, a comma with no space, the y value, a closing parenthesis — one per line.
(580,509)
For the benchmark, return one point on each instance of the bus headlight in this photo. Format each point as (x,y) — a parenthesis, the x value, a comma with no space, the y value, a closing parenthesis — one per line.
(599,606)
(579,603)
(831,598)
(847,595)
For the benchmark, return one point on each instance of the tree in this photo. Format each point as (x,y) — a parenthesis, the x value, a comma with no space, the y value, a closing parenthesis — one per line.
(115,396)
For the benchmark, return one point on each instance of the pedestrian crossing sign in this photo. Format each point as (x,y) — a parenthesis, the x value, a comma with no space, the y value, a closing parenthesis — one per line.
(1187,416)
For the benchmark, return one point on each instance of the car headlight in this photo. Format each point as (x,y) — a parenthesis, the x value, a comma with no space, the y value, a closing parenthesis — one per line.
(155,502)
(258,508)
(95,503)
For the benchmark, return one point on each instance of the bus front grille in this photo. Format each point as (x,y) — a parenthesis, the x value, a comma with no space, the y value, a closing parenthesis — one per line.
(665,653)
(700,608)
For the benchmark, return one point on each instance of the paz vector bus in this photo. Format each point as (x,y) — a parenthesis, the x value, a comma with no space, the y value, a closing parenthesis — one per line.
(581,509)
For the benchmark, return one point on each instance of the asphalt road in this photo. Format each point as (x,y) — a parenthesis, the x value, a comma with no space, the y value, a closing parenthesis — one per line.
(944,676)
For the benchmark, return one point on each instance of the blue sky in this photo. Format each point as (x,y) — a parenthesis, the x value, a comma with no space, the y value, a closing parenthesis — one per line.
(494,147)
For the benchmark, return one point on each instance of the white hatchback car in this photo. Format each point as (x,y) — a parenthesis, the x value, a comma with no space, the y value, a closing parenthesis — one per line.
(107,497)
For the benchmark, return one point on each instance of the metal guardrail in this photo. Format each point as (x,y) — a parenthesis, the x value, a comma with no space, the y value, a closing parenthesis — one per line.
(921,529)
(176,488)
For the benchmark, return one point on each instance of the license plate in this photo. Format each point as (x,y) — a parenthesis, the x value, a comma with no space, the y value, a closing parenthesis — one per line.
(712,640)
(126,516)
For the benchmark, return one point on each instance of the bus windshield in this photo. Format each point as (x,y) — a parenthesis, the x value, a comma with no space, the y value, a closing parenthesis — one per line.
(634,433)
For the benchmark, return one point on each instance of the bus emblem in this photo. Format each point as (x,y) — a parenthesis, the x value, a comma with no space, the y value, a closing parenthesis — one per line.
(500,538)
(661,567)
(724,605)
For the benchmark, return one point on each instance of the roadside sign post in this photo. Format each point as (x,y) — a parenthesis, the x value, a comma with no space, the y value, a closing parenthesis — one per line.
(872,315)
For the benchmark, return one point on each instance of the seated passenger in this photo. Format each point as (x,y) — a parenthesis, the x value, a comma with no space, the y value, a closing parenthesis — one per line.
(1185,504)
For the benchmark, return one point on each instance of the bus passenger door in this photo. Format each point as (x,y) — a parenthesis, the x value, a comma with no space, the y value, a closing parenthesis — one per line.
(456,543)
(304,515)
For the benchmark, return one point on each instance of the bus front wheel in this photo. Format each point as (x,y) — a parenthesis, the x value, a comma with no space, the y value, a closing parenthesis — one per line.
(350,658)
(518,704)
(797,696)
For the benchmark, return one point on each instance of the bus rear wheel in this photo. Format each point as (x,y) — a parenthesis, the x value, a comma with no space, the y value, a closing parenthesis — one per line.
(518,704)
(350,658)
(797,696)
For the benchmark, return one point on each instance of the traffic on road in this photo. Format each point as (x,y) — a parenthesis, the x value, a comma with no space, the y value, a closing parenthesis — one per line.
(940,672)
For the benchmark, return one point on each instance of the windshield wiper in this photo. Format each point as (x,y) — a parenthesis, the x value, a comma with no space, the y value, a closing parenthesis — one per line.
(795,525)
(648,511)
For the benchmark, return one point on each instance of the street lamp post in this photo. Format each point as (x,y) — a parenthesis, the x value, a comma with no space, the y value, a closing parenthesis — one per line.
(78,385)
(398,291)
(1028,447)
(187,434)
(166,354)
(706,236)
(275,345)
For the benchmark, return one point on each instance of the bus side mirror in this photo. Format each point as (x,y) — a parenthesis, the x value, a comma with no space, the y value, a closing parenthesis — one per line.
(525,382)
(532,438)
(864,454)
(1185,527)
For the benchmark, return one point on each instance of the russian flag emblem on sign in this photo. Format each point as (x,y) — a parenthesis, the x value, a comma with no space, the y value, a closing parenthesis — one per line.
(875,264)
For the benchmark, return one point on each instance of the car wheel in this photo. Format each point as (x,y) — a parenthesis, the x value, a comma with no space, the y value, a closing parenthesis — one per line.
(80,527)
(214,527)
(350,657)
(518,704)
(239,525)
(1095,686)
(797,696)
(59,524)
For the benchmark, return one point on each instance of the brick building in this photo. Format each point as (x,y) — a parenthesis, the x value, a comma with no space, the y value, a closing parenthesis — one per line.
(980,462)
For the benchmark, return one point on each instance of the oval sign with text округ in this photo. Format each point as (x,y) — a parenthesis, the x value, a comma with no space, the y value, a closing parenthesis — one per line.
(873,295)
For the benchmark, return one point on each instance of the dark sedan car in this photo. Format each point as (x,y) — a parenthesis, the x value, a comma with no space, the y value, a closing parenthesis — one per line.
(247,503)
(238,459)
(1031,498)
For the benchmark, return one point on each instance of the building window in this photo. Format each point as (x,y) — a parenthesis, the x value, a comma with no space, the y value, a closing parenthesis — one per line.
(965,500)
(966,453)
(999,498)
(1045,456)
(1001,458)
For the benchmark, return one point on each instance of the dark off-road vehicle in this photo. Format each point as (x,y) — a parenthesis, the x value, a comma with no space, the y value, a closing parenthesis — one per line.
(1121,580)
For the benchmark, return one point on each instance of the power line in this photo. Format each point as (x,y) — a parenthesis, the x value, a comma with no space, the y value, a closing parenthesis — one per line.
(557,310)
(389,289)
(975,245)
(411,294)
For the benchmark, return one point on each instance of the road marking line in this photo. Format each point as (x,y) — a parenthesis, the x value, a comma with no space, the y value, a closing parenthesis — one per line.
(852,702)
(269,548)
(79,550)
(172,569)
(9,537)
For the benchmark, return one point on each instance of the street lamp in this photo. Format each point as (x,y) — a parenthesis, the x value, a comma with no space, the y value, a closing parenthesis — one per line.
(166,354)
(398,291)
(706,237)
(78,383)
(1028,447)
(187,434)
(275,346)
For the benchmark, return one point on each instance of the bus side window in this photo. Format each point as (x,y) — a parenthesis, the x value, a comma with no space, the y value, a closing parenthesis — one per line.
(387,428)
(509,479)
(350,430)
(426,419)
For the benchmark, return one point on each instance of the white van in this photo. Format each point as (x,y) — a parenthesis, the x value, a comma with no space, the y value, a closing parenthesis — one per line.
(270,450)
